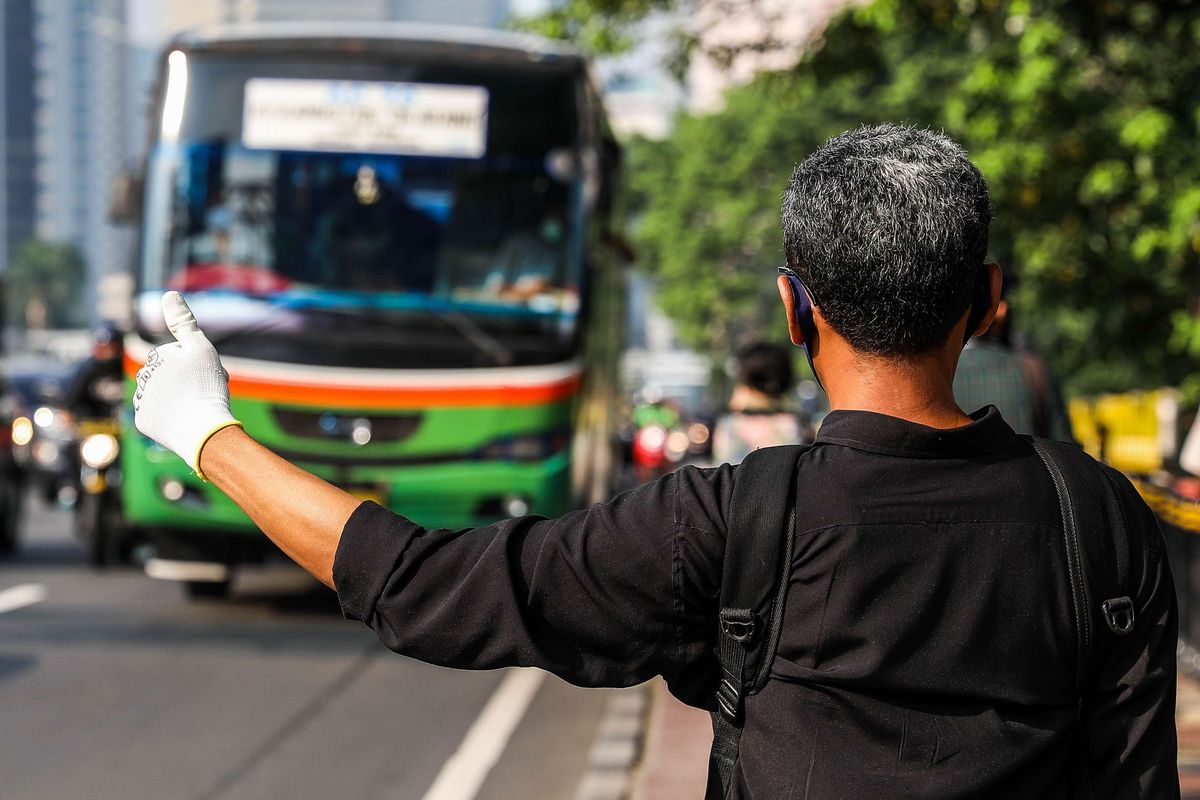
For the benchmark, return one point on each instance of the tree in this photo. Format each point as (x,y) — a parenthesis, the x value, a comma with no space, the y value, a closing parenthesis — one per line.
(610,27)
(1082,117)
(45,284)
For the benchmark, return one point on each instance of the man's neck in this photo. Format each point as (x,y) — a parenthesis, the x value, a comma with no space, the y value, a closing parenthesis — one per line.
(918,389)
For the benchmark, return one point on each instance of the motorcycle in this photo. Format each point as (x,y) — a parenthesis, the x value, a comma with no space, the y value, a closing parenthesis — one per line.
(657,449)
(99,520)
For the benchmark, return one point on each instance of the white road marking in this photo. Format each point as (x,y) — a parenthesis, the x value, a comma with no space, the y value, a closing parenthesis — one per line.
(21,595)
(464,772)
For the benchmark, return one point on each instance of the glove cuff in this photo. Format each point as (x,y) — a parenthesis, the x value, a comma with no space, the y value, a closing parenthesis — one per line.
(204,440)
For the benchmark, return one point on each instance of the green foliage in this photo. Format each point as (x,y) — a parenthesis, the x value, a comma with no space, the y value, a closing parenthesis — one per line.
(1083,118)
(610,27)
(49,276)
(599,27)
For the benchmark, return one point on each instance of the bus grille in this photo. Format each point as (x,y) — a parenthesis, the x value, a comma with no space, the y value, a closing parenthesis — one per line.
(327,425)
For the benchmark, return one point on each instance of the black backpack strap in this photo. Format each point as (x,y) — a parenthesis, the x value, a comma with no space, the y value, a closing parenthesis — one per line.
(758,556)
(1097,548)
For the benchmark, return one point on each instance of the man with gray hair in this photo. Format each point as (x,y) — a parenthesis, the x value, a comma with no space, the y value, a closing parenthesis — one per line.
(931,636)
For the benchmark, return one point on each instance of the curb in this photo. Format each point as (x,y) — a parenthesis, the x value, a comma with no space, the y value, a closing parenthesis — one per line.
(617,747)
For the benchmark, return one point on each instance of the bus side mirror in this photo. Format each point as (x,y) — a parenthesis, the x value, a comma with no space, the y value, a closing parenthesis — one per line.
(125,198)
(619,245)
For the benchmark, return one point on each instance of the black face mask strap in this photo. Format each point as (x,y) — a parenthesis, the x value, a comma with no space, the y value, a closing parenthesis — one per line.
(802,303)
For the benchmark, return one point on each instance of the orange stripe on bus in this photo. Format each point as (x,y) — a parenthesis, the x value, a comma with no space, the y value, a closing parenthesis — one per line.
(395,397)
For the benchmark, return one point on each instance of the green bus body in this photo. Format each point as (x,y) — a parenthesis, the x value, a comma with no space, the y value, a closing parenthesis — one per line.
(445,494)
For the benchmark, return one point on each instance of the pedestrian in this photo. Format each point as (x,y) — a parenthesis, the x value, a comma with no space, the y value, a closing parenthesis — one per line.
(933,641)
(996,370)
(759,413)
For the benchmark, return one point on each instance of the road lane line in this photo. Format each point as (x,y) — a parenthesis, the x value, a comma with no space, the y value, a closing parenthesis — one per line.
(463,774)
(21,595)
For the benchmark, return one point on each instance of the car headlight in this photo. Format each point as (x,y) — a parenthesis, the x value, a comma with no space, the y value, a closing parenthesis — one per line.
(22,431)
(44,416)
(55,423)
(45,453)
(99,450)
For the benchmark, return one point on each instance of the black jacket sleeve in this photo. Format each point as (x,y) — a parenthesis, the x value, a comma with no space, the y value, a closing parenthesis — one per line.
(611,595)
(1129,714)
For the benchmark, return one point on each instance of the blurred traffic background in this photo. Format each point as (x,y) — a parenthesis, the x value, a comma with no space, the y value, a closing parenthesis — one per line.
(476,259)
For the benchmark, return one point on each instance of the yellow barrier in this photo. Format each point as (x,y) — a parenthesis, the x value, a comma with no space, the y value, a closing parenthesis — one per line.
(1135,429)
(1168,507)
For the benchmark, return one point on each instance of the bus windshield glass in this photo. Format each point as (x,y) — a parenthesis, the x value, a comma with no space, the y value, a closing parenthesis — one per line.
(380,213)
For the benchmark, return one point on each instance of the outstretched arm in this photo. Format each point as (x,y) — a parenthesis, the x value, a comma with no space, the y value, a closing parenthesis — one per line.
(301,513)
(605,596)
(182,402)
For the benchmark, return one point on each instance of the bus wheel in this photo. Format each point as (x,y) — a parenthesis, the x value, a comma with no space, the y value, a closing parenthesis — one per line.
(207,590)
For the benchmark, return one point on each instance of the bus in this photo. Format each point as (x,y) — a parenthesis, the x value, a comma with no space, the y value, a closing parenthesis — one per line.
(397,238)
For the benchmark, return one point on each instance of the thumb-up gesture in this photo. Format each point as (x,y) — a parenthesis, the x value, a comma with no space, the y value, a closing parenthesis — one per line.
(182,394)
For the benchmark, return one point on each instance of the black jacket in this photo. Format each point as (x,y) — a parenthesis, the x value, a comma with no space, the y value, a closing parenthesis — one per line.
(927,646)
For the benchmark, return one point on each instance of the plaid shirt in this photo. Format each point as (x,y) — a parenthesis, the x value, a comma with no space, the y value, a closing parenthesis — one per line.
(992,373)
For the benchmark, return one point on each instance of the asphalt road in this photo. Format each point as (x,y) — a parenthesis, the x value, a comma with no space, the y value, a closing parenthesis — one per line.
(112,685)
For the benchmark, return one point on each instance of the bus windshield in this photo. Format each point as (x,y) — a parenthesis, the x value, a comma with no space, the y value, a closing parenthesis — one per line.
(300,233)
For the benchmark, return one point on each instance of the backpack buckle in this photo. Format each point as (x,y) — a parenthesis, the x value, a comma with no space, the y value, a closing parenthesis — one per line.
(741,630)
(1118,613)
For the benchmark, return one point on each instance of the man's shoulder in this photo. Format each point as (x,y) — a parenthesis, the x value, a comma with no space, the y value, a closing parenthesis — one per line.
(1111,505)
(702,496)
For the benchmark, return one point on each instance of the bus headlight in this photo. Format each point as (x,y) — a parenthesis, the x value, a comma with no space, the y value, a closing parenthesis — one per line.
(99,450)
(534,447)
(515,505)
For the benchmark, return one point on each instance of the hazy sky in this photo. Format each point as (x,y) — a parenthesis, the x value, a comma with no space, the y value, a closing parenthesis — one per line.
(144,20)
(145,17)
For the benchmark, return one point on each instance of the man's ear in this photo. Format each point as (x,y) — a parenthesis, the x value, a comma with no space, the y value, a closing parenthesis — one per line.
(789,307)
(995,287)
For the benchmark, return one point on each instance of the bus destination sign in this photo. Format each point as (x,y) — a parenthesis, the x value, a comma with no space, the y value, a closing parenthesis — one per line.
(421,119)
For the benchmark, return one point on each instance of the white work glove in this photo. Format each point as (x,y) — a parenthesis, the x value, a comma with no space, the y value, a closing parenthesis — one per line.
(182,394)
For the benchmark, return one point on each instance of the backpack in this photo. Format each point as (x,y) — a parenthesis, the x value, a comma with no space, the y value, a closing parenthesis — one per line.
(758,556)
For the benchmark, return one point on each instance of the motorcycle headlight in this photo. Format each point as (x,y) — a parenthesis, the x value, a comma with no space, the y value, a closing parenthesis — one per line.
(99,450)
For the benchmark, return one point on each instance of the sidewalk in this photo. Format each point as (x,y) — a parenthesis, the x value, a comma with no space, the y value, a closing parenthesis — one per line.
(674,762)
(1187,720)
(675,754)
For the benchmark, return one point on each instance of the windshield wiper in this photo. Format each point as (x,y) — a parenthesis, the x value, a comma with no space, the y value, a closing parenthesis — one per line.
(483,341)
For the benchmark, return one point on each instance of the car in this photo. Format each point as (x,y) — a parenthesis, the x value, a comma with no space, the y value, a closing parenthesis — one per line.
(42,432)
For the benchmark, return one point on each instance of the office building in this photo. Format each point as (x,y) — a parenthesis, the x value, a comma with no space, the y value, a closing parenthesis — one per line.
(16,126)
(80,128)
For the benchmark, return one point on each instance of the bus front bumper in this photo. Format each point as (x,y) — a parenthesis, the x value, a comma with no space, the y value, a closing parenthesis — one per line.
(162,495)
